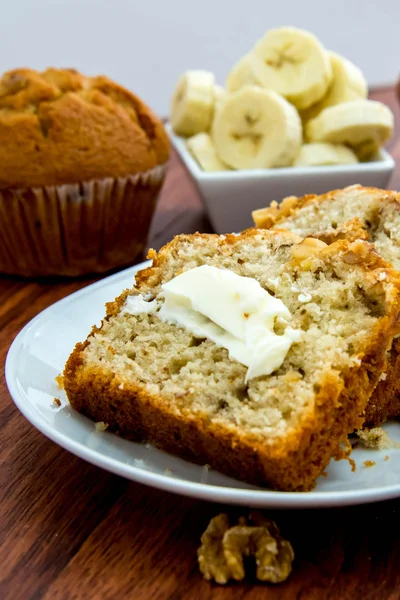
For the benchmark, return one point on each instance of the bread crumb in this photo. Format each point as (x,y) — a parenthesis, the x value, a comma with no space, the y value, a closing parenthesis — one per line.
(369,463)
(376,438)
(60,381)
(56,402)
(101,426)
(352,464)
(386,457)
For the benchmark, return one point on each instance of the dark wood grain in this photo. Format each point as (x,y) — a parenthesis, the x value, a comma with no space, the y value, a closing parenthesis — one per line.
(69,530)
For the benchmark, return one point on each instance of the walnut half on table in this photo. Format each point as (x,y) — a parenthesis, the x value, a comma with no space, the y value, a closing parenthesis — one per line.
(224,547)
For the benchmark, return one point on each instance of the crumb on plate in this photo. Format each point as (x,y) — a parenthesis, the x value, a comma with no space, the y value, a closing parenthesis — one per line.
(352,464)
(376,438)
(101,426)
(369,463)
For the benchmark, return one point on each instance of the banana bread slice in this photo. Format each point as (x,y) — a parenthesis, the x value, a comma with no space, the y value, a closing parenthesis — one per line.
(154,381)
(353,213)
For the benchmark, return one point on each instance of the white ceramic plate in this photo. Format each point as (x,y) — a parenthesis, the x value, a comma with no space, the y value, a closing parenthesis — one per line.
(37,356)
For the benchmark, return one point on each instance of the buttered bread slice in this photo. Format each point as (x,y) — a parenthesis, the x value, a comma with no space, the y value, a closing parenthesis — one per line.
(353,213)
(255,354)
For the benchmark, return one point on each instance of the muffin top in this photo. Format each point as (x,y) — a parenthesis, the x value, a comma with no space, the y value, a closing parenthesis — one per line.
(59,126)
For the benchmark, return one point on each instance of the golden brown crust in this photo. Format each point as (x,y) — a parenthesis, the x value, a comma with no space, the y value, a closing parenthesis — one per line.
(59,126)
(385,401)
(131,411)
(266,218)
(136,415)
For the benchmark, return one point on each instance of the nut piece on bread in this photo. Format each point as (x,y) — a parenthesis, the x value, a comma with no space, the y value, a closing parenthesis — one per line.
(58,126)
(151,380)
(353,213)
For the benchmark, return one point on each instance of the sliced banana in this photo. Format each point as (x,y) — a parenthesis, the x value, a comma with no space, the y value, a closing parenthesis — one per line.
(219,95)
(241,75)
(348,84)
(365,125)
(256,128)
(201,147)
(192,103)
(293,63)
(319,154)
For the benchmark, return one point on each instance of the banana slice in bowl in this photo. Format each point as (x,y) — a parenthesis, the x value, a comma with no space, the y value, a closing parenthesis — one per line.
(192,103)
(348,84)
(256,128)
(241,74)
(219,95)
(203,150)
(364,125)
(321,154)
(293,63)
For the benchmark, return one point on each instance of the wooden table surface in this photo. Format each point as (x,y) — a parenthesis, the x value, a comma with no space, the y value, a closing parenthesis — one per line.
(69,530)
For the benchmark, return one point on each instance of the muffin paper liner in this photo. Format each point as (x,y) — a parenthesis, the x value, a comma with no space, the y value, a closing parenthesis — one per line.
(78,228)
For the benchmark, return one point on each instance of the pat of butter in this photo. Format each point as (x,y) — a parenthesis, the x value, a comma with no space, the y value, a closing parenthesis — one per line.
(234,312)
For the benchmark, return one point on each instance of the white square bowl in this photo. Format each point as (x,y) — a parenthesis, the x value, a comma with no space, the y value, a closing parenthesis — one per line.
(230,196)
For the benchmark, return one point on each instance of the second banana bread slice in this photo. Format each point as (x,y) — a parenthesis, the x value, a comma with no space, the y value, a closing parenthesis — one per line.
(353,213)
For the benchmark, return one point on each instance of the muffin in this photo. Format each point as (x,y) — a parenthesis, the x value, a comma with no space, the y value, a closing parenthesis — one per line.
(81,163)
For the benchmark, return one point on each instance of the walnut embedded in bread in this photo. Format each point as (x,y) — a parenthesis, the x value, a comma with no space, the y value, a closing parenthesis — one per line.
(58,126)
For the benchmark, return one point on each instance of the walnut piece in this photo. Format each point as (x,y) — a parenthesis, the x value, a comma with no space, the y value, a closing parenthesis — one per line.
(307,248)
(211,554)
(224,547)
(264,218)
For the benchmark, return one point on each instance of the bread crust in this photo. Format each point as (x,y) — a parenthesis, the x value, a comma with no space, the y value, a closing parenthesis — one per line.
(132,412)
(138,416)
(266,218)
(385,401)
(58,126)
